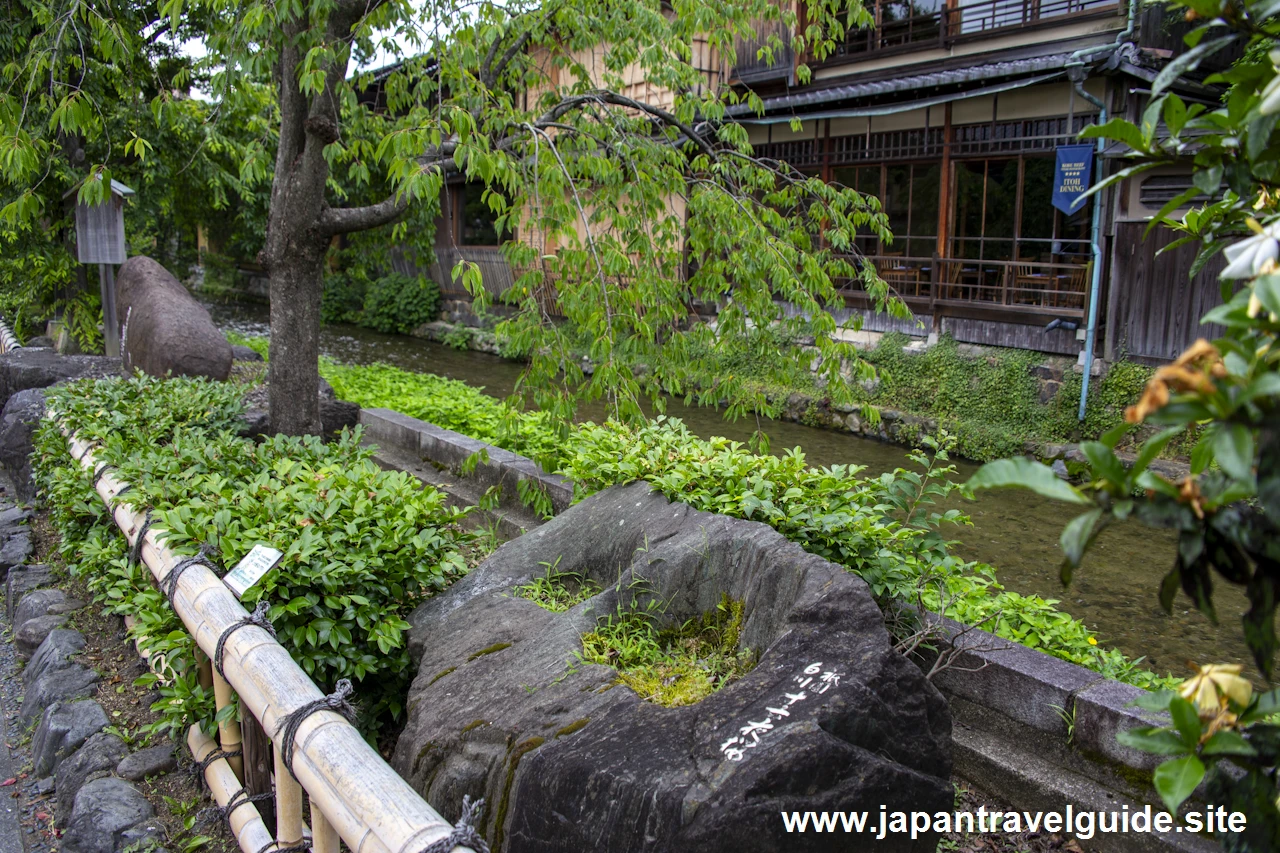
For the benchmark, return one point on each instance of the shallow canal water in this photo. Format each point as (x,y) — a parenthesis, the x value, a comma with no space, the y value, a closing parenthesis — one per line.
(1114,593)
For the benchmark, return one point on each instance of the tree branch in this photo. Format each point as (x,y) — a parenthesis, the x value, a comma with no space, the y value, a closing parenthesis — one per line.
(344,220)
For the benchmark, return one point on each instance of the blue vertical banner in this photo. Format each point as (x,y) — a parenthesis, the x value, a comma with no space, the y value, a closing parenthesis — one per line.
(1072,177)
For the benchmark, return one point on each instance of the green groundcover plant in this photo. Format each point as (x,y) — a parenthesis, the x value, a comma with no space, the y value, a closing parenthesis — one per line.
(362,546)
(875,526)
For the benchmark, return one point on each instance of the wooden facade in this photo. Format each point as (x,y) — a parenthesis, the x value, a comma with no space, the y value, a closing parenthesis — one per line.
(1156,314)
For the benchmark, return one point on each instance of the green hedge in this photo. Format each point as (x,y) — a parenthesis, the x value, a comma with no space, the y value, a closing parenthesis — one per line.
(362,546)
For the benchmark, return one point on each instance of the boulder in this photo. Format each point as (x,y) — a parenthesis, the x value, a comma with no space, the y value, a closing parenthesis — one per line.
(40,368)
(56,652)
(152,761)
(21,580)
(52,676)
(18,421)
(104,811)
(243,353)
(40,342)
(166,331)
(28,636)
(38,603)
(94,760)
(15,551)
(64,727)
(14,516)
(569,759)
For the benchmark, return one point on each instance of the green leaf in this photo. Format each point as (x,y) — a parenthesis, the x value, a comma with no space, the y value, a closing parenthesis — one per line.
(1233,450)
(1028,474)
(1188,61)
(1152,447)
(1169,587)
(1117,129)
(1176,779)
(1154,740)
(1186,719)
(1227,742)
(1076,538)
(1104,462)
(1267,289)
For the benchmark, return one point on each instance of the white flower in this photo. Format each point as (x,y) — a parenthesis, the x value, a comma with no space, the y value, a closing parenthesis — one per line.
(1247,258)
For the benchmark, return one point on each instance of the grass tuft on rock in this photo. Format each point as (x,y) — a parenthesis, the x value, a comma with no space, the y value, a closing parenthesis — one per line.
(558,591)
(672,666)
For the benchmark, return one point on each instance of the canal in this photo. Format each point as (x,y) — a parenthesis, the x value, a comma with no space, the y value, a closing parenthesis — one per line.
(1016,531)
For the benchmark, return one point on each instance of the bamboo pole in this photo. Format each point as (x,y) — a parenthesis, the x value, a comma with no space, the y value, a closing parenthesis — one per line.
(288,805)
(246,824)
(228,728)
(370,806)
(324,838)
(8,341)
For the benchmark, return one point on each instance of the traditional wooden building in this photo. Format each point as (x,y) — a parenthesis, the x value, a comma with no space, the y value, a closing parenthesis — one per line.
(950,111)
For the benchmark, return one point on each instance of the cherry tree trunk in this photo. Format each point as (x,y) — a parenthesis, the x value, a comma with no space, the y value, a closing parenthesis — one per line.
(296,285)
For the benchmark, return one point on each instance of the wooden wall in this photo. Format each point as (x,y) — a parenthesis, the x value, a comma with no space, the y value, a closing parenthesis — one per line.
(1156,307)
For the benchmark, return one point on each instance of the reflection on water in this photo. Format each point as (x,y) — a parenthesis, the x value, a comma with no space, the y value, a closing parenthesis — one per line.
(1114,593)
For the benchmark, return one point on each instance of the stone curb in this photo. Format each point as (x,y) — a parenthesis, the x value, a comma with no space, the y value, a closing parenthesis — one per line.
(1038,690)
(503,468)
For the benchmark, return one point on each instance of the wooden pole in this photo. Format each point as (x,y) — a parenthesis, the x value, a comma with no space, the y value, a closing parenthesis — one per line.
(370,806)
(110,322)
(246,824)
(257,764)
(288,805)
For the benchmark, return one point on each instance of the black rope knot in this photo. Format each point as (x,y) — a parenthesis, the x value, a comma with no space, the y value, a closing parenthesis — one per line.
(240,798)
(288,729)
(102,470)
(200,766)
(302,846)
(464,832)
(135,553)
(257,618)
(170,583)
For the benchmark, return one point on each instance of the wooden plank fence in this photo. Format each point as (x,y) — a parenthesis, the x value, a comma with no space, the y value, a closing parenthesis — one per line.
(1156,307)
(354,795)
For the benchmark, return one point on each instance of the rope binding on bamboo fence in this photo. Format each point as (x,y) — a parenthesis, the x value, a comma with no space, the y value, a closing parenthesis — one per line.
(259,618)
(240,798)
(170,583)
(382,814)
(335,701)
(464,832)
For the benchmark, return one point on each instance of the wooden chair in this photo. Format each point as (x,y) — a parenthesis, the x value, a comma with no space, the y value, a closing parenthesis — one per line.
(1029,286)
(1074,286)
(902,278)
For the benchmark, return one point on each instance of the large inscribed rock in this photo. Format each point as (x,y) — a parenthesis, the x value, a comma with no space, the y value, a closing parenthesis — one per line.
(831,718)
(166,331)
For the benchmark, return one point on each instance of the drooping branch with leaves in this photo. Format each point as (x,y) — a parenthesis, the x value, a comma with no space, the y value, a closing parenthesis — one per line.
(597,132)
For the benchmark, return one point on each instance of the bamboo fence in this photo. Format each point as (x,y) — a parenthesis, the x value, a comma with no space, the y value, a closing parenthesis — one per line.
(354,795)
(8,341)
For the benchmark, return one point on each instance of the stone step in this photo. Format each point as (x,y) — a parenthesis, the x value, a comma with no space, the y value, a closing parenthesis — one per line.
(508,522)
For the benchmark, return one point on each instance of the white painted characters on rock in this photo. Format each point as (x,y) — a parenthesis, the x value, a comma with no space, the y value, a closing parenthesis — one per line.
(813,680)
